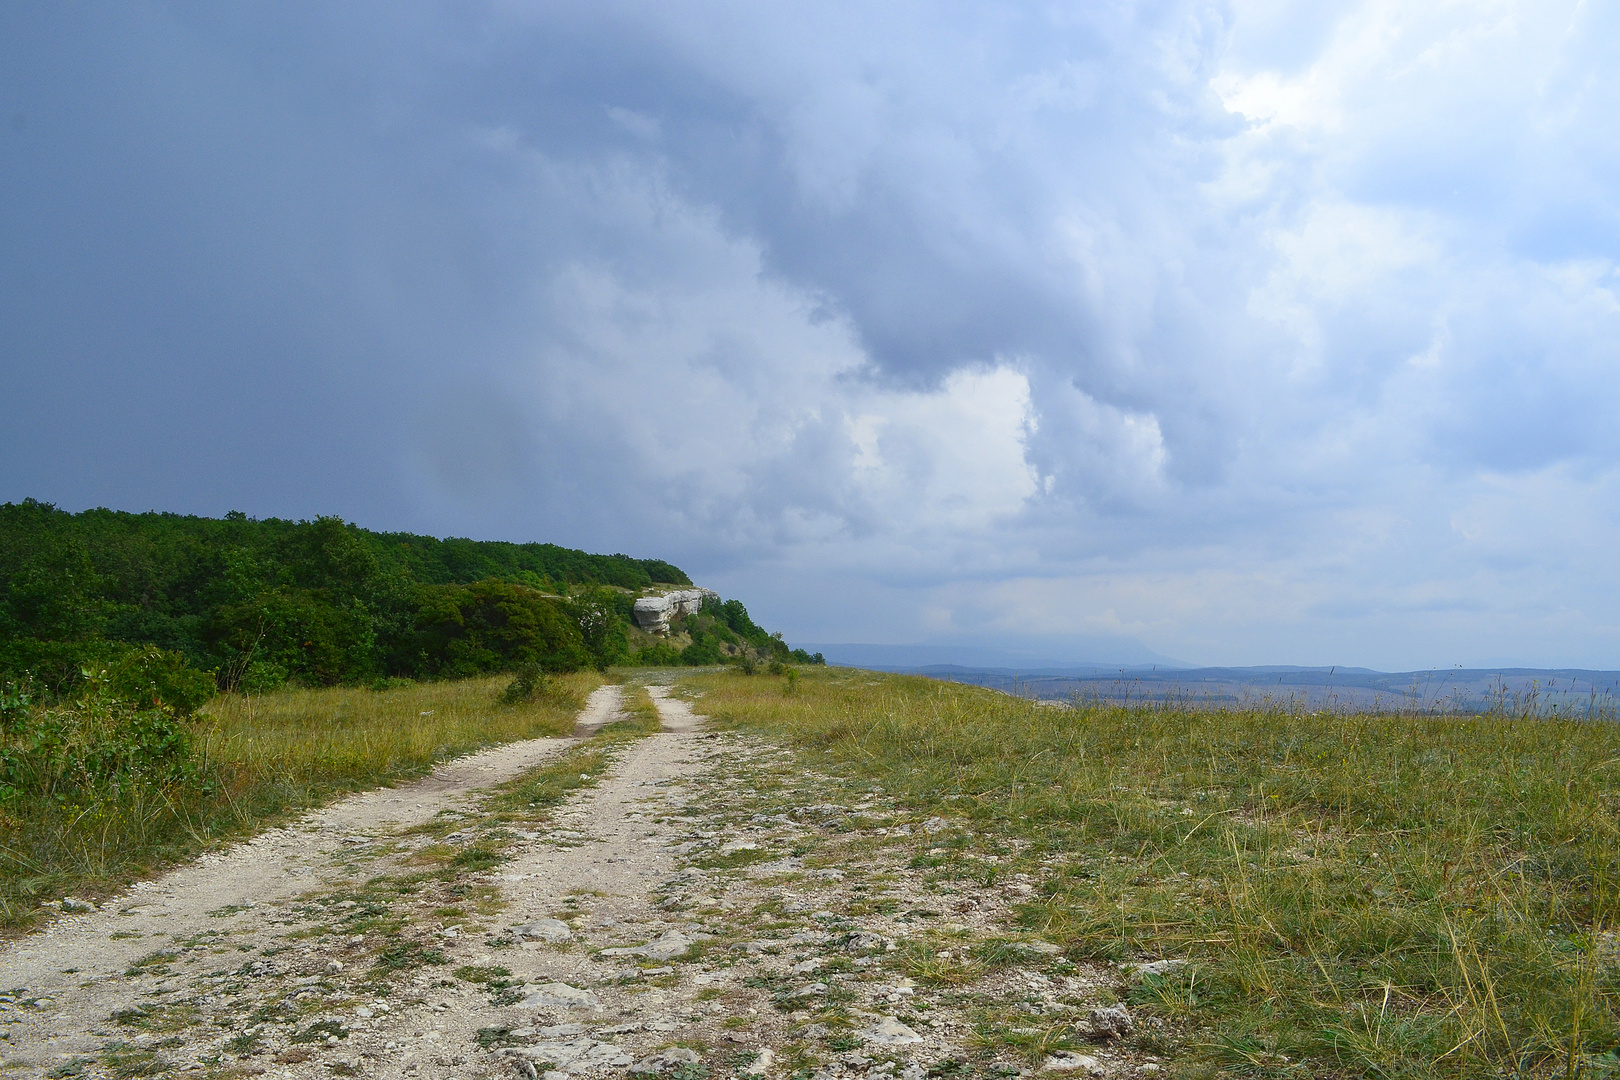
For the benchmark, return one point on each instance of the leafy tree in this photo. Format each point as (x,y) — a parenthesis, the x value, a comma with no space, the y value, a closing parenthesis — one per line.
(602,616)
(464,630)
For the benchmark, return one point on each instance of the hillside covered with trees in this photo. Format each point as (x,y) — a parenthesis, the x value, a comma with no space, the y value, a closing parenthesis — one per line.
(259,603)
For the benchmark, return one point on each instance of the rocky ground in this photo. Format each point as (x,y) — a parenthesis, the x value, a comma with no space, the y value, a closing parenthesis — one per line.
(703,907)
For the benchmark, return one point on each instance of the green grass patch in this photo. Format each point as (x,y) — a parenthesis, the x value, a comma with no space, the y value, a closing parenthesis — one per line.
(1385,895)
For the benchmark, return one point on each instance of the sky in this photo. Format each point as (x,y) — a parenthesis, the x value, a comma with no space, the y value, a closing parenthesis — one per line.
(1235,333)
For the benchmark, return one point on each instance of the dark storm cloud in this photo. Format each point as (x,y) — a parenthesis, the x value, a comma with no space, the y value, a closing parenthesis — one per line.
(1228,327)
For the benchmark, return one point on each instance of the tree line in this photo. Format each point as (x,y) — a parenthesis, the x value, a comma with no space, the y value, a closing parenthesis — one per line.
(258,603)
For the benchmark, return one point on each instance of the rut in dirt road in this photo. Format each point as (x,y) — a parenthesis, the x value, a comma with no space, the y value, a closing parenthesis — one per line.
(77,965)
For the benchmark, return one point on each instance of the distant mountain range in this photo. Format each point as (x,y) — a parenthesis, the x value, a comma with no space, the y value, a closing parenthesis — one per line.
(1103,654)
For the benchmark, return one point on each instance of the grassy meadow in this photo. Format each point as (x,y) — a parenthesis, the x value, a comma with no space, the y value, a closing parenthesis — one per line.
(255,759)
(1352,895)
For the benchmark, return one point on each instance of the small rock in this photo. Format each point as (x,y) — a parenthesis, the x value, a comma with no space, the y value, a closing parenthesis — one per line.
(805,967)
(334,966)
(552,930)
(1069,1061)
(889,1031)
(560,1031)
(73,903)
(556,995)
(762,1064)
(363,1013)
(1038,948)
(935,824)
(554,1074)
(1150,1068)
(1109,1022)
(671,945)
(580,1052)
(665,1061)
(525,1068)
(867,941)
(1156,967)
(913,1071)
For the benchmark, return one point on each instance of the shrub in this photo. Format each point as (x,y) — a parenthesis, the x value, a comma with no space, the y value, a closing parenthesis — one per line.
(658,654)
(602,616)
(97,745)
(155,678)
(464,630)
(530,684)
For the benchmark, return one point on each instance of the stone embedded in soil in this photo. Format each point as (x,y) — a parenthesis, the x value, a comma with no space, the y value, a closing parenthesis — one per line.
(1038,948)
(665,1061)
(761,1064)
(866,941)
(1069,1061)
(889,1031)
(1155,967)
(668,947)
(1109,1022)
(552,930)
(556,995)
(581,1052)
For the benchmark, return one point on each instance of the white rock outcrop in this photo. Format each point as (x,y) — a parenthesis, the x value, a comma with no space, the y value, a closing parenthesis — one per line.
(653,613)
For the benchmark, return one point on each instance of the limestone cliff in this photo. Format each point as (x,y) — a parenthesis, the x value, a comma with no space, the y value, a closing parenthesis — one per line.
(653,613)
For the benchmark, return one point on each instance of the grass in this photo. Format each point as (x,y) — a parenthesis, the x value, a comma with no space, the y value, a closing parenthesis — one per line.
(1385,896)
(258,759)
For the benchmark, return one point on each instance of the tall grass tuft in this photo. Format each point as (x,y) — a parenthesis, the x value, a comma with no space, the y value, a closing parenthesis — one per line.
(250,760)
(1397,896)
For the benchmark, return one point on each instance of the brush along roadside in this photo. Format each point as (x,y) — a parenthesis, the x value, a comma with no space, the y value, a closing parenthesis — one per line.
(1277,894)
(250,761)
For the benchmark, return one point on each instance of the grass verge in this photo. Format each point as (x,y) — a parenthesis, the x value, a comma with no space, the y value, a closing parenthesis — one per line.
(258,759)
(1347,895)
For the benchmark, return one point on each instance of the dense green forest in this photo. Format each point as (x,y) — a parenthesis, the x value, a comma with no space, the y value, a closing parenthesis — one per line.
(259,603)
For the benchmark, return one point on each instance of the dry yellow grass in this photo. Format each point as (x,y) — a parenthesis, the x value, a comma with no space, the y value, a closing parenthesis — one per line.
(258,759)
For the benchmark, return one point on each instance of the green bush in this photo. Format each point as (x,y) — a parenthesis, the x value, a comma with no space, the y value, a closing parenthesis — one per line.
(150,677)
(93,747)
(531,683)
(704,650)
(602,616)
(464,630)
(658,654)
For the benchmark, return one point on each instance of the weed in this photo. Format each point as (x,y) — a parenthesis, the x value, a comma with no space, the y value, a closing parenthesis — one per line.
(321,1031)
(407,954)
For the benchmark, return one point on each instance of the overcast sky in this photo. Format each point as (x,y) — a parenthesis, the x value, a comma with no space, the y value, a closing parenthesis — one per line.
(1253,332)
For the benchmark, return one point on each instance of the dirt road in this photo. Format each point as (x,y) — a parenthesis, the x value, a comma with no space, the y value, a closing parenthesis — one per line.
(704,907)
